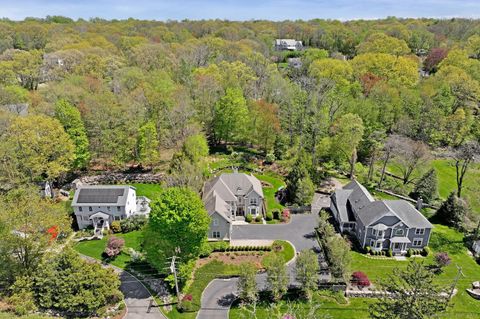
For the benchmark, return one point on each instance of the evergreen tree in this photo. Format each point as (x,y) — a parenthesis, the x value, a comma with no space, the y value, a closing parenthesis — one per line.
(69,116)
(453,212)
(426,187)
(304,192)
(300,170)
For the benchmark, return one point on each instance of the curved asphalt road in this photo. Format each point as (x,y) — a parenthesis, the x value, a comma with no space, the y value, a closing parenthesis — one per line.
(137,296)
(219,294)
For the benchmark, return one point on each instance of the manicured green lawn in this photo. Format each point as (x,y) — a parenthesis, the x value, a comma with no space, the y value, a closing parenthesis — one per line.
(202,278)
(447,182)
(95,248)
(8,315)
(269,192)
(151,191)
(356,308)
(444,239)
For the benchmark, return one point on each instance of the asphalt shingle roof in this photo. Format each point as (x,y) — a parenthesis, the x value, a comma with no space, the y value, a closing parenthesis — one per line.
(101,195)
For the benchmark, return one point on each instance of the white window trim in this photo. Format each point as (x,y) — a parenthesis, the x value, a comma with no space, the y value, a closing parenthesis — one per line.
(420,231)
(374,232)
(215,222)
(216,234)
(419,240)
(399,230)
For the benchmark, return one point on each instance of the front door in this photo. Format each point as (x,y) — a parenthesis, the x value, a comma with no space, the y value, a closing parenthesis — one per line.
(397,246)
(240,211)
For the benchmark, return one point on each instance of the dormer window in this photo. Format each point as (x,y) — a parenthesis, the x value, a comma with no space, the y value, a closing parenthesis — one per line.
(399,232)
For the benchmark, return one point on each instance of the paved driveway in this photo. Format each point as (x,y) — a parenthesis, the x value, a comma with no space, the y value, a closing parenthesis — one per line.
(219,294)
(300,231)
(137,299)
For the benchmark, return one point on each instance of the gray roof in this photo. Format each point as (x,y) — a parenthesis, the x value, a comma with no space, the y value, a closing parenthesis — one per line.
(230,185)
(408,214)
(370,210)
(101,195)
(215,204)
(341,197)
(225,188)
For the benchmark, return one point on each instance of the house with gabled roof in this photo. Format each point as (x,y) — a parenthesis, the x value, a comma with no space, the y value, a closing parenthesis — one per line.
(230,197)
(379,224)
(98,206)
(288,45)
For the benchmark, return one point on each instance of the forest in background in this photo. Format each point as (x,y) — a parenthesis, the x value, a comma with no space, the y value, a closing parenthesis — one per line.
(115,94)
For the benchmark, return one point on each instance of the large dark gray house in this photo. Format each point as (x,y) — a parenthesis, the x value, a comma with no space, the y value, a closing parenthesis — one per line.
(380,224)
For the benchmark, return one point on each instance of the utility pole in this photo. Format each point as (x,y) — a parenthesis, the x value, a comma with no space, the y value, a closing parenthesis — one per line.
(173,270)
(455,282)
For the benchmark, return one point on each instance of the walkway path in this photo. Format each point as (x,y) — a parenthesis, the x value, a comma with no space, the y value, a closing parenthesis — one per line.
(219,294)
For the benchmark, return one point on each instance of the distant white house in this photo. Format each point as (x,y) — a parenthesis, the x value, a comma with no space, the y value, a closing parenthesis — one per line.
(98,206)
(288,45)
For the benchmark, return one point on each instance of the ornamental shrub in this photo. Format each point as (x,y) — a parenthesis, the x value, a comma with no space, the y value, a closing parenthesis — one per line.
(360,279)
(248,218)
(258,218)
(269,216)
(114,246)
(426,251)
(115,226)
(389,253)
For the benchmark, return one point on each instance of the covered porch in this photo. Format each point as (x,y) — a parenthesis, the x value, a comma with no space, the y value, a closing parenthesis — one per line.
(398,245)
(100,221)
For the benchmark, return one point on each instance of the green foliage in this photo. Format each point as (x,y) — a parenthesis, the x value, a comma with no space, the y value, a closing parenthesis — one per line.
(177,219)
(38,148)
(195,147)
(417,294)
(382,43)
(269,216)
(148,144)
(452,212)
(115,226)
(249,218)
(132,223)
(426,187)
(230,120)
(306,271)
(277,276)
(247,285)
(300,170)
(63,282)
(305,191)
(72,122)
(258,218)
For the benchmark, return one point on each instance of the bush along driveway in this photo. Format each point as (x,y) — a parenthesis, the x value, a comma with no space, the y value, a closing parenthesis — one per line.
(140,303)
(220,293)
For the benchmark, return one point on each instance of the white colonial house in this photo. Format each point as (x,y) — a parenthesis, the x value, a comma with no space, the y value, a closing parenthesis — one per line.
(98,206)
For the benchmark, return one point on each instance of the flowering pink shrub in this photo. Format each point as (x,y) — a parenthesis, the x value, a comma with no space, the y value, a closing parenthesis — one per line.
(114,246)
(288,316)
(360,279)
(187,298)
(285,215)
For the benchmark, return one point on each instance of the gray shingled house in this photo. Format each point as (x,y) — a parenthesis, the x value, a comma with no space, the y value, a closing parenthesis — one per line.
(98,206)
(380,224)
(229,197)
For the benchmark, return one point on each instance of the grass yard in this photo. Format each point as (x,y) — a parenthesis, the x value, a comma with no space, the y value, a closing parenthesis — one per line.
(95,248)
(202,278)
(328,304)
(269,192)
(149,190)
(444,239)
(8,315)
(447,182)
